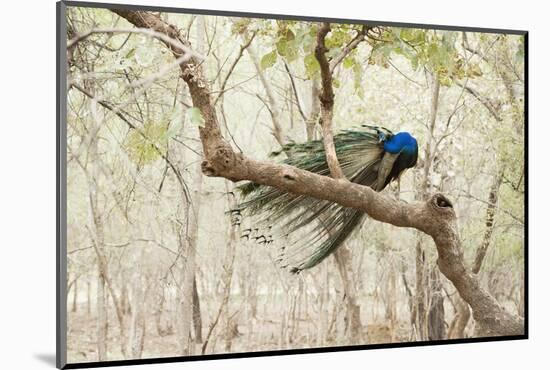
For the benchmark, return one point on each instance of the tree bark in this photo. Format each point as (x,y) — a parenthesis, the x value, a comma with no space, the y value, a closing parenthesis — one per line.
(327,102)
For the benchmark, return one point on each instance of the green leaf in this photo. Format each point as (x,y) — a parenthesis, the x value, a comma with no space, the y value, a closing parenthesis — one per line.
(414,62)
(281,46)
(147,144)
(268,60)
(241,26)
(287,49)
(312,65)
(195,116)
(360,92)
(348,62)
(289,35)
(338,37)
(131,53)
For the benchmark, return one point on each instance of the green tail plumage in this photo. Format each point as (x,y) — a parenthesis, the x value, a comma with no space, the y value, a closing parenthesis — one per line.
(326,225)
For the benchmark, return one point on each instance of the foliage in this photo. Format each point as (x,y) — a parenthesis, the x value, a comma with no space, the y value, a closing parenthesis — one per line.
(148,145)
(434,50)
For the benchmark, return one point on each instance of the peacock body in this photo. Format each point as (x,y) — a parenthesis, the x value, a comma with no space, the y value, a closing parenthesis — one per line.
(313,228)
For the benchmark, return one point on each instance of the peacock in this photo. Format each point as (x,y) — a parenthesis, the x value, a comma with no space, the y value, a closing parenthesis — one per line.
(312,228)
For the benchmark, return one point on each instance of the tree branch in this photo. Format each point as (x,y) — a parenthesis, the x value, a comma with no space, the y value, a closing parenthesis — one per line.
(349,48)
(483,100)
(295,91)
(327,102)
(489,223)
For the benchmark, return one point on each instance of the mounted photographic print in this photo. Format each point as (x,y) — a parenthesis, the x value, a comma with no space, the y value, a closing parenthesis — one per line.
(235,184)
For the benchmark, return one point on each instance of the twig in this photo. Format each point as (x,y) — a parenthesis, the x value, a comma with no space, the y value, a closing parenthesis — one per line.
(144,31)
(233,65)
(295,93)
(485,101)
(349,47)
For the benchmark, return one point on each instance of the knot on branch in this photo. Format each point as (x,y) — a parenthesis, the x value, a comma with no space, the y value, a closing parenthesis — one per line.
(192,74)
(288,174)
(441,201)
(327,99)
(441,207)
(219,162)
(320,49)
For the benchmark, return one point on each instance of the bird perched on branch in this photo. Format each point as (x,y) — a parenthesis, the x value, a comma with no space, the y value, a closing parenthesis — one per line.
(314,228)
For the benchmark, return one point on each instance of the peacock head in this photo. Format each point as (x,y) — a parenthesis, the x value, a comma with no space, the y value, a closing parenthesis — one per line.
(402,141)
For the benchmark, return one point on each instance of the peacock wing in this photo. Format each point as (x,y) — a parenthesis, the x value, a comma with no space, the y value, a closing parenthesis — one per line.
(385,169)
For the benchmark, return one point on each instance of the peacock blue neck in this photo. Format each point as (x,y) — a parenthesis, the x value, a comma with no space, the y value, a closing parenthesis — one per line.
(401,142)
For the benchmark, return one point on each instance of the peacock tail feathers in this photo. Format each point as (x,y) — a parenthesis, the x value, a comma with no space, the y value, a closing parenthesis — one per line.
(310,229)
